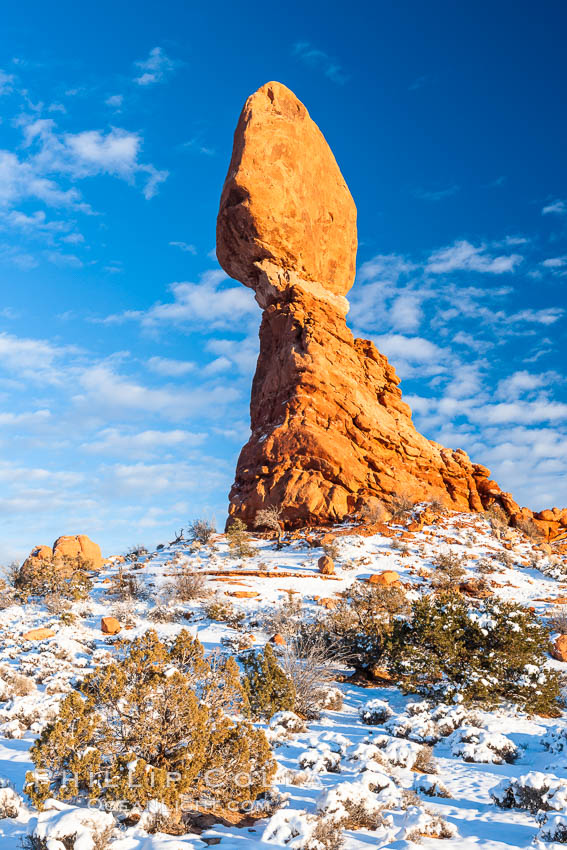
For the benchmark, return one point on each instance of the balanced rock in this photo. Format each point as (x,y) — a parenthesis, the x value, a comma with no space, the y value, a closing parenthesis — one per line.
(330,430)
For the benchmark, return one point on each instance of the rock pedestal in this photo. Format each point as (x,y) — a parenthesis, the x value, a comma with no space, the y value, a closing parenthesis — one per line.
(330,430)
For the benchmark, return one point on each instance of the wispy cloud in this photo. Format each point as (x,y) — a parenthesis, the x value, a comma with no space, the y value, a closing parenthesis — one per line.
(6,82)
(555,208)
(463,256)
(155,68)
(436,194)
(317,58)
(186,247)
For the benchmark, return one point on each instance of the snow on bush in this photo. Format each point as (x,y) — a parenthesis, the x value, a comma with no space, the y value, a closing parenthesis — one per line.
(398,751)
(430,785)
(299,830)
(320,760)
(365,755)
(10,802)
(360,804)
(481,746)
(420,823)
(60,824)
(533,791)
(418,727)
(555,740)
(288,721)
(331,699)
(554,829)
(374,712)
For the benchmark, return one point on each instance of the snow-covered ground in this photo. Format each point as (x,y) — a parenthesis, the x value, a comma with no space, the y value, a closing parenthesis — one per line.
(339,757)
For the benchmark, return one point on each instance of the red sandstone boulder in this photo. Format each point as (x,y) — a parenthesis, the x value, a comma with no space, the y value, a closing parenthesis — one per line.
(389,578)
(559,648)
(110,626)
(38,634)
(326,565)
(78,545)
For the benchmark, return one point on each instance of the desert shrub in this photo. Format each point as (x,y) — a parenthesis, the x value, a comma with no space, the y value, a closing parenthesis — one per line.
(66,579)
(361,624)
(239,539)
(399,546)
(287,618)
(497,519)
(534,792)
(300,830)
(493,653)
(374,712)
(504,558)
(373,511)
(201,530)
(188,585)
(479,745)
(266,685)
(530,528)
(431,786)
(152,725)
(7,594)
(437,506)
(485,566)
(401,506)
(270,518)
(136,552)
(320,760)
(331,549)
(421,823)
(558,619)
(554,828)
(309,660)
(424,761)
(222,610)
(449,570)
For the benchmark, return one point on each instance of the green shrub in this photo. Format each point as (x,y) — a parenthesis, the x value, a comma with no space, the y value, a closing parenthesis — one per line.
(67,579)
(493,653)
(361,624)
(239,539)
(267,687)
(153,725)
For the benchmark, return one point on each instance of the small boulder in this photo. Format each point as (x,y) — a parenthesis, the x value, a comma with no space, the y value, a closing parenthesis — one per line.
(328,602)
(559,648)
(388,578)
(278,639)
(326,565)
(38,634)
(110,625)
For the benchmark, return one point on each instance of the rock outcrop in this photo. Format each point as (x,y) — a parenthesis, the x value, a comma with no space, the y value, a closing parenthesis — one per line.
(64,551)
(330,430)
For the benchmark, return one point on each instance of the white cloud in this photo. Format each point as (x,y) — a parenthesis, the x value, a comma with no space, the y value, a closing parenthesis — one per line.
(171,368)
(184,246)
(555,262)
(555,207)
(112,441)
(115,101)
(6,81)
(155,68)
(462,256)
(33,359)
(108,393)
(406,313)
(206,302)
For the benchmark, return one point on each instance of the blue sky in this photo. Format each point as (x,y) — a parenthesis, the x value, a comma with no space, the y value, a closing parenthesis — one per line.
(126,355)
